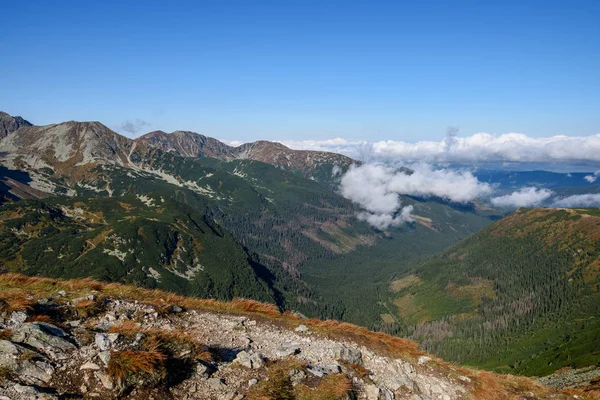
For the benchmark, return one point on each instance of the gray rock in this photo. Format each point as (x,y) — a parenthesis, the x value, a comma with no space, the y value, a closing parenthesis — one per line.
(12,357)
(176,309)
(90,366)
(287,349)
(215,383)
(22,389)
(252,382)
(46,338)
(301,328)
(104,356)
(62,293)
(105,380)
(347,354)
(372,392)
(398,381)
(245,359)
(464,378)
(296,375)
(200,369)
(105,341)
(321,370)
(85,298)
(386,394)
(423,360)
(17,318)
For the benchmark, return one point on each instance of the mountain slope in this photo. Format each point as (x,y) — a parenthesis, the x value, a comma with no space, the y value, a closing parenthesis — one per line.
(132,343)
(521,296)
(317,165)
(150,241)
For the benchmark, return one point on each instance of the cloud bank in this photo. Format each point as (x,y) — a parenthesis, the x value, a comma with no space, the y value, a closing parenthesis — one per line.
(477,148)
(526,197)
(578,200)
(377,189)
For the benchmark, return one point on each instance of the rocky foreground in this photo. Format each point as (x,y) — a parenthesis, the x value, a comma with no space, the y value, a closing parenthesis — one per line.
(83,339)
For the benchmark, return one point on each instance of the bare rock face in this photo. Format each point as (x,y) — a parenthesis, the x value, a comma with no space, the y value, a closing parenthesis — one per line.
(9,124)
(45,338)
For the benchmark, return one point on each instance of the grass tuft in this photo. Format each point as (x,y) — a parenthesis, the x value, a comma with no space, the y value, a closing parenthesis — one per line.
(6,334)
(135,365)
(331,387)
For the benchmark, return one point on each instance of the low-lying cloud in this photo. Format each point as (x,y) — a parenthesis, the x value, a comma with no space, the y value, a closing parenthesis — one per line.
(478,148)
(578,200)
(526,197)
(377,189)
(592,178)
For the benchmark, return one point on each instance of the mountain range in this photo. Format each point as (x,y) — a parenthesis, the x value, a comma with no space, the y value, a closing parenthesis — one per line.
(279,205)
(186,213)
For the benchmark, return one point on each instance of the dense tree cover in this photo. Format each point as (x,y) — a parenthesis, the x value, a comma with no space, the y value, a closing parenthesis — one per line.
(520,296)
(149,241)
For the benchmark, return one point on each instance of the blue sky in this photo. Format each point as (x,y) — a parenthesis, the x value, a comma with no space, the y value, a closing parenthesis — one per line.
(284,70)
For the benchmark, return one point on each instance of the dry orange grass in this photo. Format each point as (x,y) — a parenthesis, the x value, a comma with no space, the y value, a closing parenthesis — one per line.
(379,341)
(331,387)
(16,300)
(41,318)
(136,364)
(126,328)
(168,341)
(6,334)
(87,308)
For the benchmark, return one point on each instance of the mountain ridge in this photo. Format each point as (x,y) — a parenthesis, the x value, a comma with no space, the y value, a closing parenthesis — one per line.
(135,343)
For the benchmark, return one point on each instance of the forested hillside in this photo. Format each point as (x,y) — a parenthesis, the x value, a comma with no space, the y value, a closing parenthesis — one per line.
(522,296)
(150,241)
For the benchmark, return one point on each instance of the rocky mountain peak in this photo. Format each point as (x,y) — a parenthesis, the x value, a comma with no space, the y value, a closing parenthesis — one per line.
(9,124)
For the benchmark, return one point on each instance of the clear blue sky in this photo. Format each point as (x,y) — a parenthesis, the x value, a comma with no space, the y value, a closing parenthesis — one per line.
(306,69)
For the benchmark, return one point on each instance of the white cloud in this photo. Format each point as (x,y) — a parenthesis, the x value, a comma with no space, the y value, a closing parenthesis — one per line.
(335,171)
(592,178)
(578,200)
(477,148)
(526,197)
(232,143)
(377,189)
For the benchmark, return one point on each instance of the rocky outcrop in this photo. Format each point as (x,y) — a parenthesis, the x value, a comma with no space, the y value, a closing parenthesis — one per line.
(128,349)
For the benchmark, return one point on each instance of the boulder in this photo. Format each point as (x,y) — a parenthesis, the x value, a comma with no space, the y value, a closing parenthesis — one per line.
(105,341)
(252,361)
(28,365)
(321,370)
(347,354)
(423,360)
(17,318)
(372,392)
(287,349)
(47,338)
